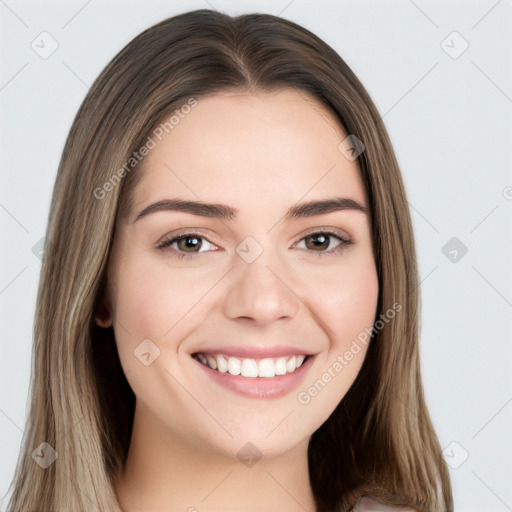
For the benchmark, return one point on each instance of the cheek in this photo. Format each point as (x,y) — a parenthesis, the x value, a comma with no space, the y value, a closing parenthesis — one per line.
(151,299)
(161,305)
(154,302)
(353,306)
(347,303)
(346,298)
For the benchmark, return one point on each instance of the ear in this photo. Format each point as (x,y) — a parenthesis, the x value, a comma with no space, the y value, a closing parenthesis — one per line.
(103,316)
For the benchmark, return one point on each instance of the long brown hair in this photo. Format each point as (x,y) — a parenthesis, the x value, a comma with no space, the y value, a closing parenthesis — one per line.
(380,439)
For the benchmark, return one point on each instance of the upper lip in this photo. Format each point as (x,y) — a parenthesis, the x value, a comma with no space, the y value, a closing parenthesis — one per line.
(255,351)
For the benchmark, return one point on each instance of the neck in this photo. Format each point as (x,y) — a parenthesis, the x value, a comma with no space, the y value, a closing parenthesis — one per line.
(164,473)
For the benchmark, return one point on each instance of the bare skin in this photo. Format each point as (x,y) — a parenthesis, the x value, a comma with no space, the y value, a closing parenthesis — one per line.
(259,154)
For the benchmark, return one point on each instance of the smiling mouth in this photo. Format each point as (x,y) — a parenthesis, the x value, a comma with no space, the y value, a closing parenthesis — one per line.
(251,368)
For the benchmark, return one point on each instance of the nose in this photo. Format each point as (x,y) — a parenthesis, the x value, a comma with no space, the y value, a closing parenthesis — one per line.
(261,292)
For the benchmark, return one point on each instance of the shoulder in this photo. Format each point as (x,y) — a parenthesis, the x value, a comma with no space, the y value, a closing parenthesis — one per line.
(373,504)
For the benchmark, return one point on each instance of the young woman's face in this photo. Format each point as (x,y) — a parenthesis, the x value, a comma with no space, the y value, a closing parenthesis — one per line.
(244,285)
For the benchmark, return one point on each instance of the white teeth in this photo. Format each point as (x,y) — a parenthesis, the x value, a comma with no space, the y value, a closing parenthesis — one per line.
(251,368)
(281,366)
(212,363)
(266,368)
(222,364)
(234,366)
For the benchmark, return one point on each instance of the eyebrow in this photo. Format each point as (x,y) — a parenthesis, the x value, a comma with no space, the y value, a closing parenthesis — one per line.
(225,212)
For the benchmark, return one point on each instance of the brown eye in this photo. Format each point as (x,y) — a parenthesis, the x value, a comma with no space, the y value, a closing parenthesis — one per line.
(319,242)
(188,242)
(187,245)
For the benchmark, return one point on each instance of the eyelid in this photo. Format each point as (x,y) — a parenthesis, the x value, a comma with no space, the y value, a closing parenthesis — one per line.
(343,235)
(184,232)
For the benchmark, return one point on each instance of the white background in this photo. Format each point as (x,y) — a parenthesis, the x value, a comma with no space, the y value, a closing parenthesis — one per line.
(450,120)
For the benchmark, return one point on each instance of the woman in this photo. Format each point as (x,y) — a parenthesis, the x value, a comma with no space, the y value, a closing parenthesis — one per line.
(227,316)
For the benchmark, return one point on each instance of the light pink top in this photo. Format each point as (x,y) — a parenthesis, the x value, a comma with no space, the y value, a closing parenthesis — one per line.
(373,504)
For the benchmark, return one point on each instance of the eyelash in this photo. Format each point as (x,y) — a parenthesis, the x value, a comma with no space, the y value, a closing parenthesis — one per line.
(166,243)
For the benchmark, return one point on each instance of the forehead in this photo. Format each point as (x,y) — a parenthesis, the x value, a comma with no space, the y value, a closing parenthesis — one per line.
(251,149)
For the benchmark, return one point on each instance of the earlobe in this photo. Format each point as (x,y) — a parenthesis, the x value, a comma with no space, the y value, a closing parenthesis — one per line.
(103,317)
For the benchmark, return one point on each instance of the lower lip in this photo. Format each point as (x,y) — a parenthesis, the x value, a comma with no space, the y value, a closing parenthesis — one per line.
(259,387)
